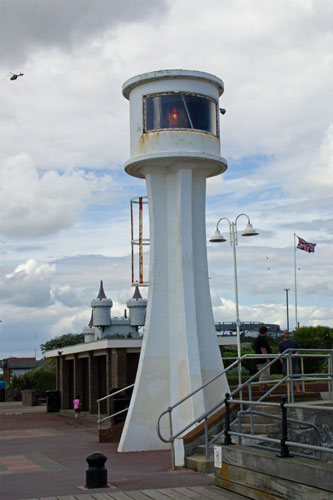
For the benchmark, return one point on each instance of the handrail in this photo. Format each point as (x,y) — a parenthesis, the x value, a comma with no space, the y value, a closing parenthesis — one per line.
(288,354)
(109,396)
(284,442)
(251,412)
(206,415)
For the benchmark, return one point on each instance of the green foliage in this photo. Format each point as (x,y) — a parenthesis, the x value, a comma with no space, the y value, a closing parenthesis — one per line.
(314,337)
(250,364)
(63,341)
(234,371)
(42,378)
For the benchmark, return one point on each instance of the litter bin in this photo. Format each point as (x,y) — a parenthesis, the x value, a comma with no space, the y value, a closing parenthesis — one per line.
(52,401)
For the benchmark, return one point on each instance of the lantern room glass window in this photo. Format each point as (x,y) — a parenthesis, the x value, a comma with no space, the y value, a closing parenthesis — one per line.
(180,111)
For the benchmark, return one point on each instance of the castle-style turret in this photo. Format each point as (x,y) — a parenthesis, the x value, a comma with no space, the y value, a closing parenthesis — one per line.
(89,331)
(101,309)
(137,309)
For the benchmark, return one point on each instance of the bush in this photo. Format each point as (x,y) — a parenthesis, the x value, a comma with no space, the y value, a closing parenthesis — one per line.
(42,378)
(250,364)
(314,337)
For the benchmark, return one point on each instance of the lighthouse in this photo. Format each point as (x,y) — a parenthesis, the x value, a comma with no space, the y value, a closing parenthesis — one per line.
(175,146)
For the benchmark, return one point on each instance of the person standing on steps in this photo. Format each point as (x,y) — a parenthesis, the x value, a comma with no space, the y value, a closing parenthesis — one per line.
(76,405)
(261,346)
(288,343)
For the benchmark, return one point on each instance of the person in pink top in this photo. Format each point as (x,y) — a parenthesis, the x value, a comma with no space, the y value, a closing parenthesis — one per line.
(76,404)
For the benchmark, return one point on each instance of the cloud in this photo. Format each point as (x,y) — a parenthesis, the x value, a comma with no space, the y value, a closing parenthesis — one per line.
(64,132)
(34,204)
(30,25)
(23,328)
(66,296)
(35,284)
(272,313)
(28,285)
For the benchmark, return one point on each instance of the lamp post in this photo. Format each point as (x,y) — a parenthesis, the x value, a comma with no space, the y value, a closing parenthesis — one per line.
(218,238)
(287,306)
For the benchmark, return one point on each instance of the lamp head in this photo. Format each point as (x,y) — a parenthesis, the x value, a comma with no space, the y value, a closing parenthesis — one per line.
(217,237)
(249,231)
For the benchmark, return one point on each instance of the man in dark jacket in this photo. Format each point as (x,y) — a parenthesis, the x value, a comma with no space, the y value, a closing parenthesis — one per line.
(261,346)
(288,343)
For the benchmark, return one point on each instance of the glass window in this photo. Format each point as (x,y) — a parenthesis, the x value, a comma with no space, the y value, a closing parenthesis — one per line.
(184,111)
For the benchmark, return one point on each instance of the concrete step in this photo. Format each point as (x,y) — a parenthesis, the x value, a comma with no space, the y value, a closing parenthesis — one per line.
(201,448)
(199,463)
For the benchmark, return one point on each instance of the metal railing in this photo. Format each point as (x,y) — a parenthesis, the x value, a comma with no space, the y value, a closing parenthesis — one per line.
(289,378)
(284,442)
(109,396)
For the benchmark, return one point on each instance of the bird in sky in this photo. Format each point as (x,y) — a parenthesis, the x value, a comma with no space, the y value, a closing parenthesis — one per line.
(15,75)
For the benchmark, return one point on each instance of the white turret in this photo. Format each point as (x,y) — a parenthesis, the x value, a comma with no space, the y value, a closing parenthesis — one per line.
(101,309)
(89,331)
(137,309)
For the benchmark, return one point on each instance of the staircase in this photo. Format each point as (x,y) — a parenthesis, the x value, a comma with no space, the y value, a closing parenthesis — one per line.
(195,455)
(262,427)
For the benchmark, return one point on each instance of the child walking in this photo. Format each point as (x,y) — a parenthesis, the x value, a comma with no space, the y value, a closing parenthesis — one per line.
(76,404)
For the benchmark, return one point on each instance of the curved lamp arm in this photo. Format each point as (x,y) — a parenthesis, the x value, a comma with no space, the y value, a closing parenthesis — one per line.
(222,218)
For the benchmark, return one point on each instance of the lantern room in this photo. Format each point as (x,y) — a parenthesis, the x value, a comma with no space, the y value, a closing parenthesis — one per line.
(174,113)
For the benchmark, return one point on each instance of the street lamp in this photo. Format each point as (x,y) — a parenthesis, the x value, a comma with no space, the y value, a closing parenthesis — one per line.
(218,238)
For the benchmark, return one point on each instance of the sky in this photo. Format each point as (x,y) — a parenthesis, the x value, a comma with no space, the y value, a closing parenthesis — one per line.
(64,139)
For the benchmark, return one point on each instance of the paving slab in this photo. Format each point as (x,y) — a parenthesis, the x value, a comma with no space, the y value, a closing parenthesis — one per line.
(43,455)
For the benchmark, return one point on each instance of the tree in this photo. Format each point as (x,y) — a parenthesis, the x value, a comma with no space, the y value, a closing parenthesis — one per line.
(42,378)
(62,341)
(314,337)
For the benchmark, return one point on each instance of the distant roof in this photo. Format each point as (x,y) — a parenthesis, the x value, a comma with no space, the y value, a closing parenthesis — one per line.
(16,364)
(20,359)
(101,294)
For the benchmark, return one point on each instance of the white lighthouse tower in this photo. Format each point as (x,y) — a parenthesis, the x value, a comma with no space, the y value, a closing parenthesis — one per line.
(175,146)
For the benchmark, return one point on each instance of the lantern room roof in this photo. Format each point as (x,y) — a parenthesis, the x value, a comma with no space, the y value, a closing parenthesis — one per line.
(133,82)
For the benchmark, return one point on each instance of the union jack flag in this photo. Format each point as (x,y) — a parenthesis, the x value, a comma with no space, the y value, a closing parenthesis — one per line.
(304,245)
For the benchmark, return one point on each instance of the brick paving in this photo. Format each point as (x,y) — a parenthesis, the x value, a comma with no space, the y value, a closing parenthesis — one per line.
(43,456)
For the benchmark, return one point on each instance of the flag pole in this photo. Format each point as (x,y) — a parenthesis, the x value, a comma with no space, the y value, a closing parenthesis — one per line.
(296,322)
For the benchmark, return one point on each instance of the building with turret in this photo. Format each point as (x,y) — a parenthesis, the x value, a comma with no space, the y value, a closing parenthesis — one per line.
(103,325)
(108,359)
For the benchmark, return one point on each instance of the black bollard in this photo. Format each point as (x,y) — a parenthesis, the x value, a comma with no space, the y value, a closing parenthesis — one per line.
(97,474)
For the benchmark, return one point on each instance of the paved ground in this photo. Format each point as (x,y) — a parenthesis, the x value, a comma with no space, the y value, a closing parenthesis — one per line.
(42,455)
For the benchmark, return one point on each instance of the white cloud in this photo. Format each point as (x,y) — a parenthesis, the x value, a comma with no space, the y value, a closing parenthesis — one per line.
(62,24)
(28,285)
(273,313)
(64,199)
(34,204)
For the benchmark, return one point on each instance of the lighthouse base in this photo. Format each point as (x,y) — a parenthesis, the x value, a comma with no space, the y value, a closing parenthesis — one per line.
(180,352)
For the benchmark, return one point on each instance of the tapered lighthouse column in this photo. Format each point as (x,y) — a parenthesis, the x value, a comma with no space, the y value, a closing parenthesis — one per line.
(175,146)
